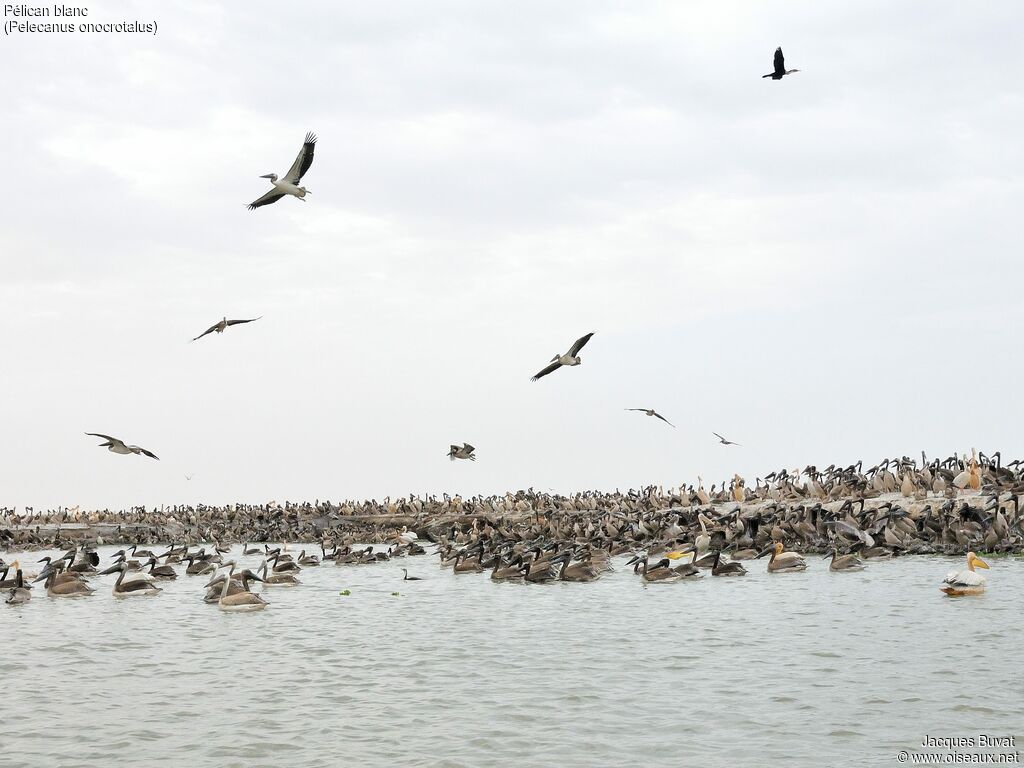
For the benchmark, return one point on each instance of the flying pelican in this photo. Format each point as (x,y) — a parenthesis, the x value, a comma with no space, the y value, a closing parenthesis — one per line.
(570,358)
(465,452)
(220,325)
(117,446)
(652,412)
(780,67)
(723,441)
(968,582)
(289,184)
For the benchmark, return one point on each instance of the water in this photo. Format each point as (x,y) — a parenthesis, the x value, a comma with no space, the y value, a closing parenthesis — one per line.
(813,669)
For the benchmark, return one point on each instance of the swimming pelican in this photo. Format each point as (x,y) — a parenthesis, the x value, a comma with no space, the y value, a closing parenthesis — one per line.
(570,358)
(117,446)
(652,412)
(73,588)
(726,569)
(134,588)
(407,577)
(219,327)
(783,562)
(723,441)
(289,184)
(780,67)
(277,579)
(20,593)
(967,582)
(465,452)
(240,602)
(845,563)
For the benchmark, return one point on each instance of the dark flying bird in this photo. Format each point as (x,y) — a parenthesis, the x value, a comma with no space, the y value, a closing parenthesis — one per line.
(723,441)
(465,452)
(652,412)
(289,184)
(220,325)
(780,67)
(117,446)
(570,358)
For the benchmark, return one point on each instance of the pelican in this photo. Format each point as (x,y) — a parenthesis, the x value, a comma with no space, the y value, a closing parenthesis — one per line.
(20,593)
(219,327)
(569,358)
(967,582)
(117,446)
(240,602)
(135,588)
(289,184)
(780,67)
(726,569)
(407,577)
(843,563)
(652,412)
(783,562)
(723,441)
(465,452)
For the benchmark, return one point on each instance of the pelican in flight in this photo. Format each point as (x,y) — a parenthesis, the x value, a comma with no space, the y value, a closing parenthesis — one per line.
(569,358)
(652,412)
(465,452)
(117,446)
(221,325)
(289,184)
(780,67)
(968,582)
(723,441)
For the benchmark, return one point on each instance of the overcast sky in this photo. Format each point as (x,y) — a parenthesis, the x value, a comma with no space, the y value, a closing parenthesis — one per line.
(823,268)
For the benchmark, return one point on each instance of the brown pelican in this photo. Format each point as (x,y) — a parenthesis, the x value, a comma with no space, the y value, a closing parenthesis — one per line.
(117,446)
(783,562)
(20,593)
(465,452)
(652,412)
(844,563)
(289,184)
(219,327)
(723,441)
(726,569)
(967,582)
(780,67)
(570,358)
(72,588)
(134,588)
(240,602)
(277,579)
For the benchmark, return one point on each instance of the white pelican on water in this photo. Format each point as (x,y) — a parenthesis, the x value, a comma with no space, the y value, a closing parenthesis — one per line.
(652,412)
(569,358)
(967,582)
(289,184)
(117,446)
(780,67)
(221,325)
(465,452)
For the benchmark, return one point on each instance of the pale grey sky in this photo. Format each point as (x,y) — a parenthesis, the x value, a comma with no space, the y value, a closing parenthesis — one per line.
(824,268)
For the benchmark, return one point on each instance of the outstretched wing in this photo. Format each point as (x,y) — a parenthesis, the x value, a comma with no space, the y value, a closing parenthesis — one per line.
(780,62)
(105,437)
(303,161)
(468,448)
(138,449)
(664,419)
(642,410)
(579,344)
(553,367)
(239,322)
(270,197)
(211,329)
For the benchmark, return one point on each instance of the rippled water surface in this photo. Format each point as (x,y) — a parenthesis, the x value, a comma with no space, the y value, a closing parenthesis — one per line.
(809,669)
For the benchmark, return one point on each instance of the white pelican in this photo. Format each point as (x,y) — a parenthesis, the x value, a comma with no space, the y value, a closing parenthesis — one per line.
(652,412)
(569,358)
(780,67)
(117,446)
(723,441)
(289,184)
(967,582)
(220,325)
(465,452)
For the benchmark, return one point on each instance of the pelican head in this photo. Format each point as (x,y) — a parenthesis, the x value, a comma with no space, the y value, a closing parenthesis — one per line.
(271,176)
(973,561)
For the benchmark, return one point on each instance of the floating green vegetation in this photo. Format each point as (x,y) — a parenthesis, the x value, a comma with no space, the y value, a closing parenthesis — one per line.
(345,592)
(396,594)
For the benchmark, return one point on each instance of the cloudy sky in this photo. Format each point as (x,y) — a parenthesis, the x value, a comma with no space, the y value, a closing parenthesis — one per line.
(823,269)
